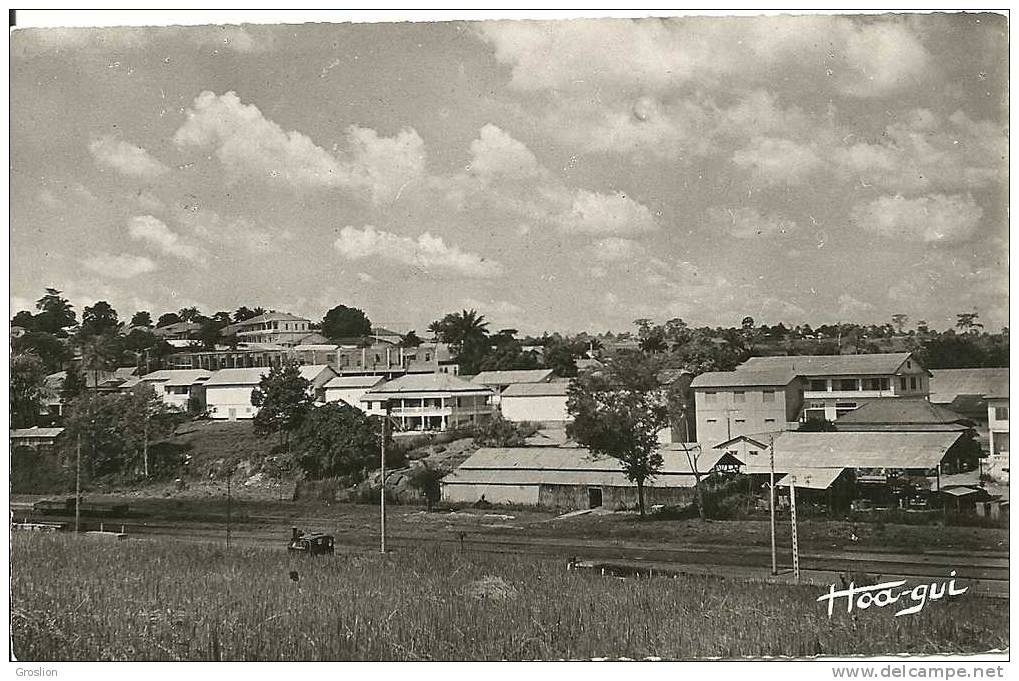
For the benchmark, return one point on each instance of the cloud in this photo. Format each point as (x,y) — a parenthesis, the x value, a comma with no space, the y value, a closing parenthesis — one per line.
(747,223)
(127,159)
(210,226)
(155,232)
(115,39)
(778,161)
(496,154)
(853,308)
(937,218)
(594,213)
(427,253)
(250,145)
(122,266)
(615,249)
(502,308)
(923,151)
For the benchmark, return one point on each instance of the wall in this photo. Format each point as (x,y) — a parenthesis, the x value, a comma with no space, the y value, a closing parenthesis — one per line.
(752,415)
(535,408)
(495,494)
(573,497)
(351,396)
(221,399)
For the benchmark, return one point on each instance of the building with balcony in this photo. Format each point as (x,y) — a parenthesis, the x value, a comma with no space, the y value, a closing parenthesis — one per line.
(967,391)
(430,402)
(734,403)
(834,385)
(279,328)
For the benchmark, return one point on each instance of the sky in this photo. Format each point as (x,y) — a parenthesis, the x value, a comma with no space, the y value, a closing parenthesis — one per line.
(565,175)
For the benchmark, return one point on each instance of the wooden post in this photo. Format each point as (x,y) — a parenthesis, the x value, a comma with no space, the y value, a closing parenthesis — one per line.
(771,505)
(382,480)
(228,509)
(77,486)
(792,515)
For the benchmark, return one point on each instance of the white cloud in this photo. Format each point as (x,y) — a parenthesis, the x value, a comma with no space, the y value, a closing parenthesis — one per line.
(496,154)
(123,266)
(931,219)
(127,159)
(427,253)
(250,145)
(209,226)
(594,213)
(747,223)
(615,249)
(502,308)
(778,161)
(155,232)
(33,41)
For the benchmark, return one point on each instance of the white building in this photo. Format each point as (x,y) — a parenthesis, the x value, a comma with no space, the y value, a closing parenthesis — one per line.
(228,392)
(430,402)
(350,389)
(176,386)
(997,423)
(543,403)
(272,327)
(499,381)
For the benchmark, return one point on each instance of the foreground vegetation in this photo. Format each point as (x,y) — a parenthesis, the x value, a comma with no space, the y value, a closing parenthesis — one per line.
(73,598)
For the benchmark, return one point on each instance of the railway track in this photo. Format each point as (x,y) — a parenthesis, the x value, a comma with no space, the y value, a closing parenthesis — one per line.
(986,572)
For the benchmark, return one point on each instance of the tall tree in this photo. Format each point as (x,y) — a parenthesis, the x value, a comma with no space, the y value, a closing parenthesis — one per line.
(336,439)
(28,388)
(967,322)
(97,320)
(899,321)
(619,413)
(167,319)
(100,354)
(25,320)
(466,332)
(243,314)
(142,318)
(55,313)
(283,398)
(189,314)
(345,322)
(54,352)
(410,340)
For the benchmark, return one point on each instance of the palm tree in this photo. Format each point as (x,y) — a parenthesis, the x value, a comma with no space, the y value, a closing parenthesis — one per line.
(99,354)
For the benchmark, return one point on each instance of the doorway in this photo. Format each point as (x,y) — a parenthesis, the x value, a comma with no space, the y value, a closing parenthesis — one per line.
(593,497)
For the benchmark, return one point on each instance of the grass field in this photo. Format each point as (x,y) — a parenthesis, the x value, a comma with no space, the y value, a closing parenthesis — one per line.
(75,598)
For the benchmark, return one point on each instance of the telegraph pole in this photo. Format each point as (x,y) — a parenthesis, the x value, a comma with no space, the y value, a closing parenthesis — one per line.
(792,514)
(228,508)
(771,505)
(382,482)
(77,485)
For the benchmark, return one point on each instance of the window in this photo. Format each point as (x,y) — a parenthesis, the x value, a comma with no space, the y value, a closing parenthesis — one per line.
(712,420)
(819,384)
(739,396)
(768,396)
(876,384)
(709,396)
(1001,413)
(902,383)
(912,382)
(847,384)
(813,414)
(769,420)
(741,420)
(752,452)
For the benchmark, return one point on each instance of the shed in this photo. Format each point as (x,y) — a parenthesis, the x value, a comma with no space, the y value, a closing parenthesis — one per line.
(543,403)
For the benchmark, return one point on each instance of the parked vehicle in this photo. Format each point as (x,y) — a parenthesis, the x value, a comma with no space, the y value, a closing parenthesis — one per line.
(310,543)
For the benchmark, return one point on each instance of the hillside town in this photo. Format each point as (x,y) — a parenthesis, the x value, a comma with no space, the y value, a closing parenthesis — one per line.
(864,427)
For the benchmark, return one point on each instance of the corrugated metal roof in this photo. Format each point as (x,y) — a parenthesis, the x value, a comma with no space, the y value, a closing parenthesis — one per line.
(253,375)
(511,377)
(33,433)
(354,382)
(554,477)
(947,384)
(725,379)
(830,365)
(177,376)
(554,389)
(425,383)
(901,410)
(795,450)
(810,478)
(674,460)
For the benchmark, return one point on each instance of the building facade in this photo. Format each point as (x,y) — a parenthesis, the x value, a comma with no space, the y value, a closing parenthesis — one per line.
(228,391)
(429,402)
(541,403)
(733,403)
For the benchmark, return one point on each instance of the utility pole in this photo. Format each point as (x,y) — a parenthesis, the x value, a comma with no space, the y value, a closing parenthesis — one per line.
(382,481)
(771,505)
(77,485)
(228,508)
(792,515)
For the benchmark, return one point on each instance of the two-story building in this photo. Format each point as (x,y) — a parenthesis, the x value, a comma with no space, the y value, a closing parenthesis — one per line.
(997,424)
(733,403)
(834,385)
(279,328)
(430,402)
(177,387)
(228,391)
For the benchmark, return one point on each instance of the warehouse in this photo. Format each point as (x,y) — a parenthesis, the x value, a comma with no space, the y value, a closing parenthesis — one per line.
(573,478)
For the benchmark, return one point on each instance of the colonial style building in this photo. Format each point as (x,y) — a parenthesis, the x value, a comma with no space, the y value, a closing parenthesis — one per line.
(430,402)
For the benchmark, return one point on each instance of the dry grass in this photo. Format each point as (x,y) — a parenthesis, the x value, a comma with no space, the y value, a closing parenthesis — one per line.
(76,599)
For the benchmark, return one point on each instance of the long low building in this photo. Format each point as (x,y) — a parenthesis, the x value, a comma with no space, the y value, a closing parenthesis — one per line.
(574,478)
(228,391)
(542,403)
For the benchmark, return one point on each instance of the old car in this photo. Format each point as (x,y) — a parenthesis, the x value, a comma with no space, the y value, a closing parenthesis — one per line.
(310,543)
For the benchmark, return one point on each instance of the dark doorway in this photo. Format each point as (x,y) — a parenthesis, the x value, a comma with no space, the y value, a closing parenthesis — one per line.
(594,497)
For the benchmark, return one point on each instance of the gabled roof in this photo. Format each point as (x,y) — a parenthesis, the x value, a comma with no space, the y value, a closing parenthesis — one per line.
(253,375)
(810,478)
(573,466)
(176,327)
(354,382)
(831,365)
(756,440)
(902,410)
(795,450)
(778,377)
(948,384)
(177,376)
(443,384)
(511,377)
(553,389)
